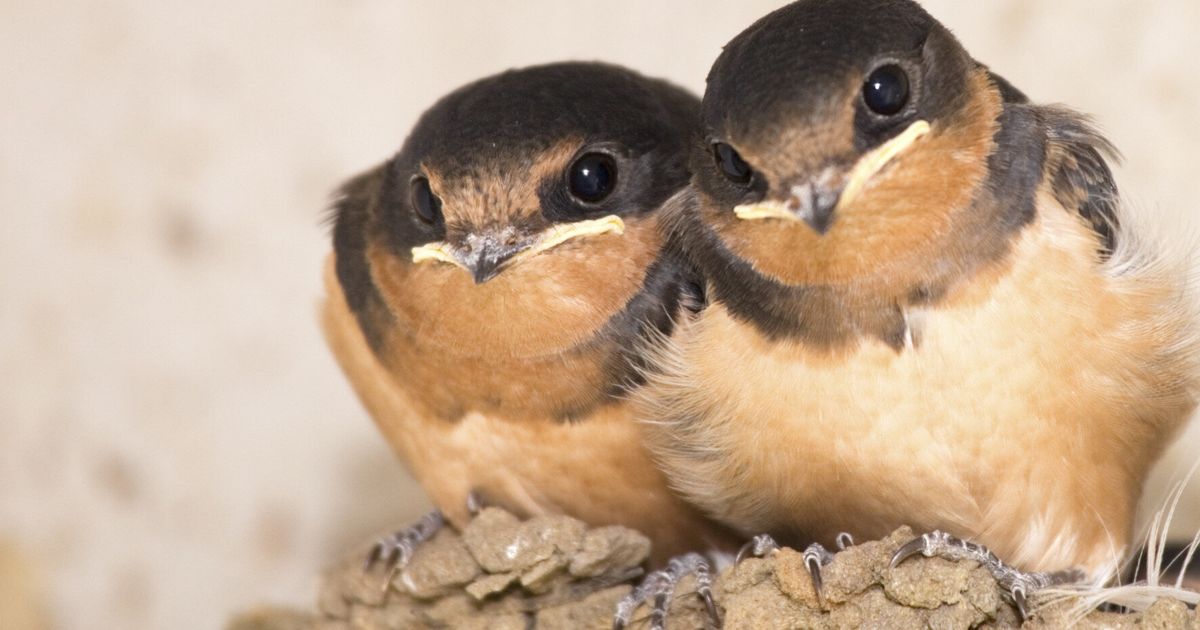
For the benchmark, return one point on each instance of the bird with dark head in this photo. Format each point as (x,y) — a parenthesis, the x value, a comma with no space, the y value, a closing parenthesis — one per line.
(491,285)
(926,305)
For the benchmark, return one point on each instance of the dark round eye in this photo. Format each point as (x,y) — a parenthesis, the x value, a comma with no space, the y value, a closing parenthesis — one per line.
(427,204)
(732,164)
(592,177)
(886,90)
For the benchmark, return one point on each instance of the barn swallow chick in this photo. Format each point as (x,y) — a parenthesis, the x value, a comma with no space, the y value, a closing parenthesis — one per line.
(491,284)
(926,307)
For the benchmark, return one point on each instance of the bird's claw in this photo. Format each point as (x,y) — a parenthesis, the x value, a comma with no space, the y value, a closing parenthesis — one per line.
(920,545)
(660,586)
(757,547)
(815,556)
(397,549)
(1019,584)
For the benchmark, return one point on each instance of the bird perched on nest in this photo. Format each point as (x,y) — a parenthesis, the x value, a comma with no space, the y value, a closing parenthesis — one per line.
(926,304)
(491,282)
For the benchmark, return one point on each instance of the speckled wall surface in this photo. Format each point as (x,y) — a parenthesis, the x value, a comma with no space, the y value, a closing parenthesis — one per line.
(175,441)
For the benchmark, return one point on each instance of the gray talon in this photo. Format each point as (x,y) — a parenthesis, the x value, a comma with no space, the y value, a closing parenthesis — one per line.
(844,540)
(815,557)
(910,549)
(814,570)
(758,547)
(659,587)
(746,551)
(1018,583)
(710,606)
(396,550)
(1018,596)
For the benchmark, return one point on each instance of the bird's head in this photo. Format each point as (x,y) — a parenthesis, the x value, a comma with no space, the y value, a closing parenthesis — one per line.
(845,141)
(520,214)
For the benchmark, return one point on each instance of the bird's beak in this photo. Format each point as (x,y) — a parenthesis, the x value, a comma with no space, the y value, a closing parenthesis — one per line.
(817,201)
(485,260)
(486,255)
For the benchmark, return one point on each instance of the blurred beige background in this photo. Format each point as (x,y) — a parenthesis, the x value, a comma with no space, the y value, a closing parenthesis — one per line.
(175,442)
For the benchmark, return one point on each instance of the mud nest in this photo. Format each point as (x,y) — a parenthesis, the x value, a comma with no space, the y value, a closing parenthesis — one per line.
(553,572)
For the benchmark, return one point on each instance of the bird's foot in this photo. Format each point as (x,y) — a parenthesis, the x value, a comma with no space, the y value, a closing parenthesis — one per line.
(396,550)
(760,546)
(1020,585)
(659,587)
(815,555)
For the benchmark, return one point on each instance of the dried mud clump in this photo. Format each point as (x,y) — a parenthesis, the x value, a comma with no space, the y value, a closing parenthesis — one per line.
(553,572)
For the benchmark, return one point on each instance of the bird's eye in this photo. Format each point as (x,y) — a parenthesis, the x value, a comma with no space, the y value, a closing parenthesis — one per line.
(732,164)
(427,204)
(592,177)
(886,90)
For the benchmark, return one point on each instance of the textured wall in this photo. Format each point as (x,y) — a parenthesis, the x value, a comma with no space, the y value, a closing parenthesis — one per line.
(174,440)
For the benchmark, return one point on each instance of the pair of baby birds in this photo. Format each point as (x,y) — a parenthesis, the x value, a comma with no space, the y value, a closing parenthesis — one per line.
(863,283)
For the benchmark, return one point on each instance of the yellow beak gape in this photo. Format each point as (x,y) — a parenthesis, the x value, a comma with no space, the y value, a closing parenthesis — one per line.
(765,210)
(435,251)
(873,162)
(866,168)
(553,236)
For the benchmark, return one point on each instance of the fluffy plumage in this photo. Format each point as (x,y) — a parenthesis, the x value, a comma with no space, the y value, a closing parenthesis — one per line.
(979,342)
(510,384)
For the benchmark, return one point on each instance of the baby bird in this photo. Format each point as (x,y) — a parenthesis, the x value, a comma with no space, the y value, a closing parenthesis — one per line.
(491,283)
(926,305)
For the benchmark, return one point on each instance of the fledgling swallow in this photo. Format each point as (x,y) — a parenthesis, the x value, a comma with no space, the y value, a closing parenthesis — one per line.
(490,286)
(926,304)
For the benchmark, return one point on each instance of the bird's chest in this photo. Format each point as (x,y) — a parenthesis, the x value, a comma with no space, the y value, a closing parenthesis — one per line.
(561,386)
(1002,374)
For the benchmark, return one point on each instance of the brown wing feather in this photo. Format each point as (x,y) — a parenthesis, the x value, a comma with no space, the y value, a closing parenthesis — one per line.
(1078,171)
